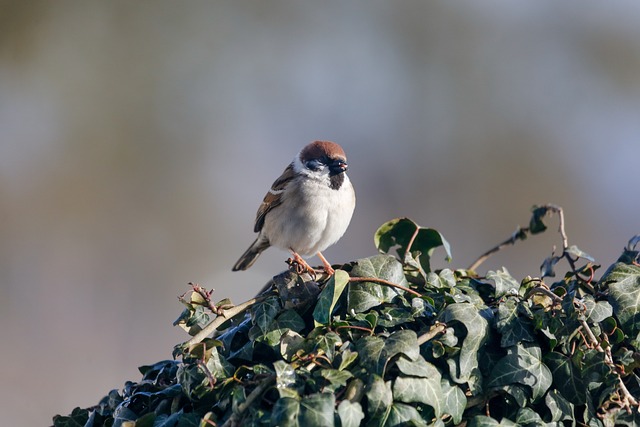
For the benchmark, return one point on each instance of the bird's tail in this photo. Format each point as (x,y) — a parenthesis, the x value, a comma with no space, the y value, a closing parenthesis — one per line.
(251,255)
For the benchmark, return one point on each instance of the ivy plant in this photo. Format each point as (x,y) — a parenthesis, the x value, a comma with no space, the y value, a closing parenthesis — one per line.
(388,341)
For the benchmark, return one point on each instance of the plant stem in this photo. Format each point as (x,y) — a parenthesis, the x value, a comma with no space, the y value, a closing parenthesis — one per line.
(385,282)
(627,398)
(223,317)
(510,241)
(435,330)
(234,419)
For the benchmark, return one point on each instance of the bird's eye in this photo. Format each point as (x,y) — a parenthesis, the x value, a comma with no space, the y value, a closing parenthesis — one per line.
(314,164)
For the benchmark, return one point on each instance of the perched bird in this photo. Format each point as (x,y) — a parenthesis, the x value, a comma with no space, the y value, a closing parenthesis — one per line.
(307,209)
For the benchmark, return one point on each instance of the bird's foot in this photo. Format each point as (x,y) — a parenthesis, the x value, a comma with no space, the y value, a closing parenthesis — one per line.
(300,266)
(327,267)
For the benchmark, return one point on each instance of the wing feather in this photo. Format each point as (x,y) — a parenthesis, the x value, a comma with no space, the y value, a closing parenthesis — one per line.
(273,197)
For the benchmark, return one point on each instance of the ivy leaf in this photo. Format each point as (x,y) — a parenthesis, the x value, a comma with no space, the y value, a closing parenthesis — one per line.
(548,265)
(77,418)
(418,368)
(566,377)
(285,321)
(401,414)
(454,401)
(505,283)
(513,327)
(218,366)
(597,311)
(401,342)
(561,409)
(285,412)
(402,232)
(623,281)
(419,390)
(444,279)
(286,379)
(264,312)
(484,421)
(631,253)
(576,252)
(317,410)
(347,358)
(350,413)
(291,320)
(536,225)
(465,368)
(362,296)
(522,365)
(369,348)
(329,297)
(379,396)
(336,378)
(528,417)
(290,343)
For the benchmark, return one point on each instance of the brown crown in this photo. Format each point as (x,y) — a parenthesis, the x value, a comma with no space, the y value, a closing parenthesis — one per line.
(320,149)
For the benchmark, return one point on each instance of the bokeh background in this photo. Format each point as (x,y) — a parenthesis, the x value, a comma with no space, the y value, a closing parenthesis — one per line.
(138,138)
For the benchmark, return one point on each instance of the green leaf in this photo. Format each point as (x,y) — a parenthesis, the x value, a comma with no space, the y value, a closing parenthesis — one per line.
(484,421)
(336,378)
(401,231)
(286,379)
(402,342)
(631,253)
(347,358)
(504,283)
(597,311)
(317,410)
(454,401)
(623,281)
(391,316)
(522,365)
(536,225)
(379,396)
(285,412)
(529,418)
(290,343)
(561,409)
(264,313)
(547,269)
(444,279)
(290,319)
(328,343)
(401,414)
(329,297)
(575,252)
(513,327)
(362,296)
(218,366)
(369,349)
(419,390)
(465,368)
(375,353)
(77,418)
(418,368)
(350,413)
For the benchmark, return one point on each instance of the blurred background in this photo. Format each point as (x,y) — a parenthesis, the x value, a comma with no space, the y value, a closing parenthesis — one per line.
(137,140)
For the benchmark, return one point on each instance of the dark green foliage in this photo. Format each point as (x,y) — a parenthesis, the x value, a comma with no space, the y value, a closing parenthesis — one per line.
(386,341)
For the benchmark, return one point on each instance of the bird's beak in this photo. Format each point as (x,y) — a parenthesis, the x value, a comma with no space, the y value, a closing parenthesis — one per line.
(339,166)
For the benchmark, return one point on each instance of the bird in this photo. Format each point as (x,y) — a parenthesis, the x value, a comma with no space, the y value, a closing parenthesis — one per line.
(307,209)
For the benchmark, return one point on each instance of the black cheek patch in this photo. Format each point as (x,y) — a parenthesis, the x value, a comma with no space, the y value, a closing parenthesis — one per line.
(335,181)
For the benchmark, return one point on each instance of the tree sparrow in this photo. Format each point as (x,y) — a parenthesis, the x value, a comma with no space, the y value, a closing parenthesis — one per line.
(307,209)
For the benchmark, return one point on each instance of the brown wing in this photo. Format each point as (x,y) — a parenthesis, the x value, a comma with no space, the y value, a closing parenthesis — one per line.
(273,197)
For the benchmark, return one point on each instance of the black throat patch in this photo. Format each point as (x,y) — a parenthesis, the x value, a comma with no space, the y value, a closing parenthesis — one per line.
(335,181)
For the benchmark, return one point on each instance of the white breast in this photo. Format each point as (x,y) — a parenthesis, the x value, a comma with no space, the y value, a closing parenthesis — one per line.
(312,216)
